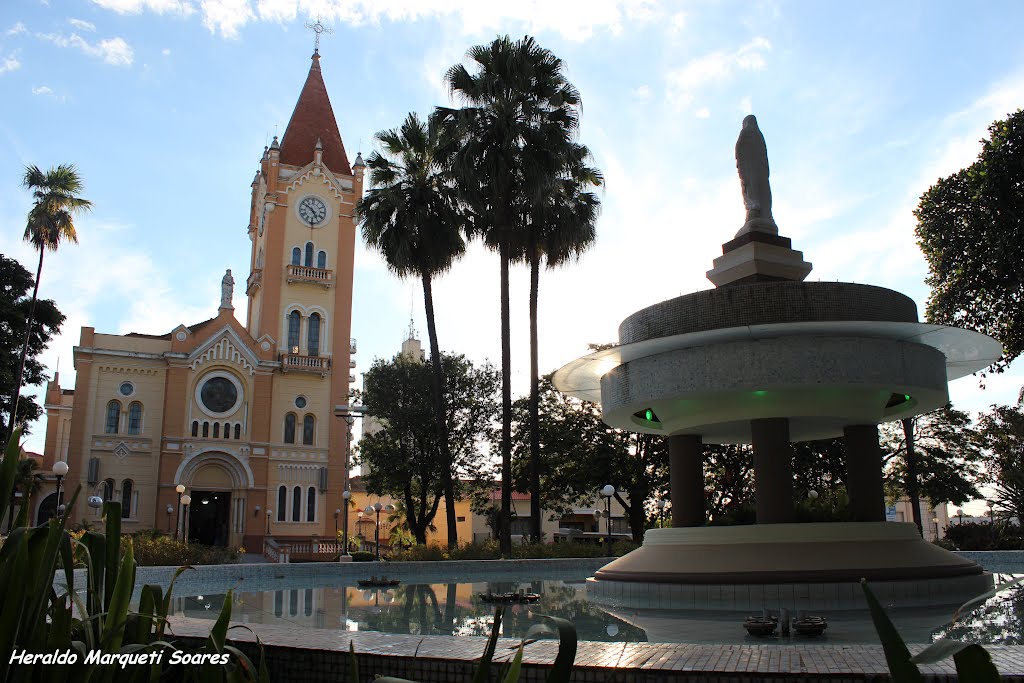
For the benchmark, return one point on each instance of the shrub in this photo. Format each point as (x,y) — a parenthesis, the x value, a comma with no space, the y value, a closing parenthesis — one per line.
(161,550)
(363,556)
(489,550)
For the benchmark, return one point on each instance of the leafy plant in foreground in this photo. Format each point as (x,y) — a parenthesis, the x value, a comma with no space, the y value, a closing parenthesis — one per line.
(39,618)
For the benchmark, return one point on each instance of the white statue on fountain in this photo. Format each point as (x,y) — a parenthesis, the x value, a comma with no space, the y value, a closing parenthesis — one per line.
(752,164)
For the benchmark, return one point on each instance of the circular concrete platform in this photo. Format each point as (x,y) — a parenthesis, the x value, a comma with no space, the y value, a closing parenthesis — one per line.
(800,566)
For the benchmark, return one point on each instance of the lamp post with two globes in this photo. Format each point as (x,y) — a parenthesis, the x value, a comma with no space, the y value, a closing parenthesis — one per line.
(185,500)
(608,491)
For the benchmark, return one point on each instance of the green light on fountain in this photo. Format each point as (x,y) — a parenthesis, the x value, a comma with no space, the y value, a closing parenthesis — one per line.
(760,392)
(647,415)
(897,400)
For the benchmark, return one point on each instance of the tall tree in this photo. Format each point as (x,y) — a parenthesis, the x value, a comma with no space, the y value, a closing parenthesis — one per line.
(405,459)
(51,221)
(971,230)
(560,227)
(411,216)
(520,115)
(580,454)
(15,306)
(946,456)
(1001,434)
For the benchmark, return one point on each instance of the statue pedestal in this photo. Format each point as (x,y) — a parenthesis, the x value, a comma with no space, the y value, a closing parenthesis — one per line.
(758,257)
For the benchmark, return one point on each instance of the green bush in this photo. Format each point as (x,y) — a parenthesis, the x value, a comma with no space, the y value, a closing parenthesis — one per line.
(972,536)
(160,550)
(489,550)
(363,556)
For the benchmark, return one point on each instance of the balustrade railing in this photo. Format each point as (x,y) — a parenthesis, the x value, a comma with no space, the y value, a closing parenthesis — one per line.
(320,276)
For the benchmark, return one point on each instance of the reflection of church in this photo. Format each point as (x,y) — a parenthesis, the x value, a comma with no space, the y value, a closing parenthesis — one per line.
(240,415)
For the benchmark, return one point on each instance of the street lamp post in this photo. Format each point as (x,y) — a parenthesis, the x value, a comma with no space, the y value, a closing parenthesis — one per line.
(269,513)
(337,513)
(60,468)
(991,513)
(376,507)
(661,512)
(608,491)
(180,488)
(349,414)
(185,500)
(170,509)
(346,495)
(960,514)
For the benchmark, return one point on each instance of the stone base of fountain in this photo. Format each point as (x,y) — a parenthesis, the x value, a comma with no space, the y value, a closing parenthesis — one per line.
(799,566)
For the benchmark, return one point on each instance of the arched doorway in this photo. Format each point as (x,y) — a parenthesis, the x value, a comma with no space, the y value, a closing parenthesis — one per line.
(209,519)
(47,509)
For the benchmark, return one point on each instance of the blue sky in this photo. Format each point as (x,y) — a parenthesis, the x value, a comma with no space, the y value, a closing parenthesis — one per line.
(165,106)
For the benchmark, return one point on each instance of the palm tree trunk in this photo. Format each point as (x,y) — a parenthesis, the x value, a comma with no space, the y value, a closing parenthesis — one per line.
(24,350)
(535,521)
(441,414)
(912,488)
(505,533)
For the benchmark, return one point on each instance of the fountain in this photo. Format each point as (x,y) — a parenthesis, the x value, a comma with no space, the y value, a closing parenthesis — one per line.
(766,359)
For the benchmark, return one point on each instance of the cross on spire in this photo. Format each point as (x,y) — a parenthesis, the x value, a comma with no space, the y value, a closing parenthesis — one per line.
(318,27)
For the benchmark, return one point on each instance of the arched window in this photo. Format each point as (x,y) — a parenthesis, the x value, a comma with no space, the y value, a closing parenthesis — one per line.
(309,255)
(113,417)
(126,499)
(296,256)
(227,430)
(206,429)
(297,504)
(293,331)
(321,260)
(216,430)
(308,425)
(238,430)
(311,504)
(195,427)
(289,428)
(108,490)
(135,418)
(313,337)
(282,503)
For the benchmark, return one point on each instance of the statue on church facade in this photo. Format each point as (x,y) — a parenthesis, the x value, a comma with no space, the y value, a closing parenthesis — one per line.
(752,164)
(227,290)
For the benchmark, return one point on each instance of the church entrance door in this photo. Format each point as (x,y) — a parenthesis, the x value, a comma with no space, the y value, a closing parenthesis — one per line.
(209,518)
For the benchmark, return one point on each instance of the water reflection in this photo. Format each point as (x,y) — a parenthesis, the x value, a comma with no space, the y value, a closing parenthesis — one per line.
(452,609)
(456,609)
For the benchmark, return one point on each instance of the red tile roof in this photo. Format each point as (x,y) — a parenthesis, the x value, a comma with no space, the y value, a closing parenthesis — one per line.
(312,119)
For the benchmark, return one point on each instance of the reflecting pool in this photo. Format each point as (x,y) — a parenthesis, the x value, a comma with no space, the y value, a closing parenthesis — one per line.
(455,609)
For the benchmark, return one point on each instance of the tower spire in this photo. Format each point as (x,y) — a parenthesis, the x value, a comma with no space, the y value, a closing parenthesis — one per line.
(318,28)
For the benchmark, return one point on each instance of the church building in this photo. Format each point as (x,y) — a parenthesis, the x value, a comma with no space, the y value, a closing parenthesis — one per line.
(239,415)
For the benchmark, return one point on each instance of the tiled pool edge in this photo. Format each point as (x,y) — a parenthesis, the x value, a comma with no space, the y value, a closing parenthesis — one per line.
(323,656)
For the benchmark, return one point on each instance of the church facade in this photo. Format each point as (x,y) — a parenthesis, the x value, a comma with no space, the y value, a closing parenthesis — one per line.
(240,415)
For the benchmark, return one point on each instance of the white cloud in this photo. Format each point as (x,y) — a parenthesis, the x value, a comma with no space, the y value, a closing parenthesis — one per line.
(642,93)
(16,29)
(702,113)
(42,90)
(715,67)
(179,7)
(113,51)
(82,24)
(574,19)
(166,51)
(9,63)
(678,22)
(746,105)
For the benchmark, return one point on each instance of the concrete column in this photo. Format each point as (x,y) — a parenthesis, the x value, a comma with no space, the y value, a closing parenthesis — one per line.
(773,470)
(864,473)
(686,467)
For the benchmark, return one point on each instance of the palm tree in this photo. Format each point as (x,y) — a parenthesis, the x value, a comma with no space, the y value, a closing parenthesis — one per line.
(561,227)
(51,220)
(520,115)
(412,216)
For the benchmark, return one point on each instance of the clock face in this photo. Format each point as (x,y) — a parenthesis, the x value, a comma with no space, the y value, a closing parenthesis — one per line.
(312,210)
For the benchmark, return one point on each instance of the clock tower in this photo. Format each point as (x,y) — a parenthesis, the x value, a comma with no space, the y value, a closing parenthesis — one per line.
(299,289)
